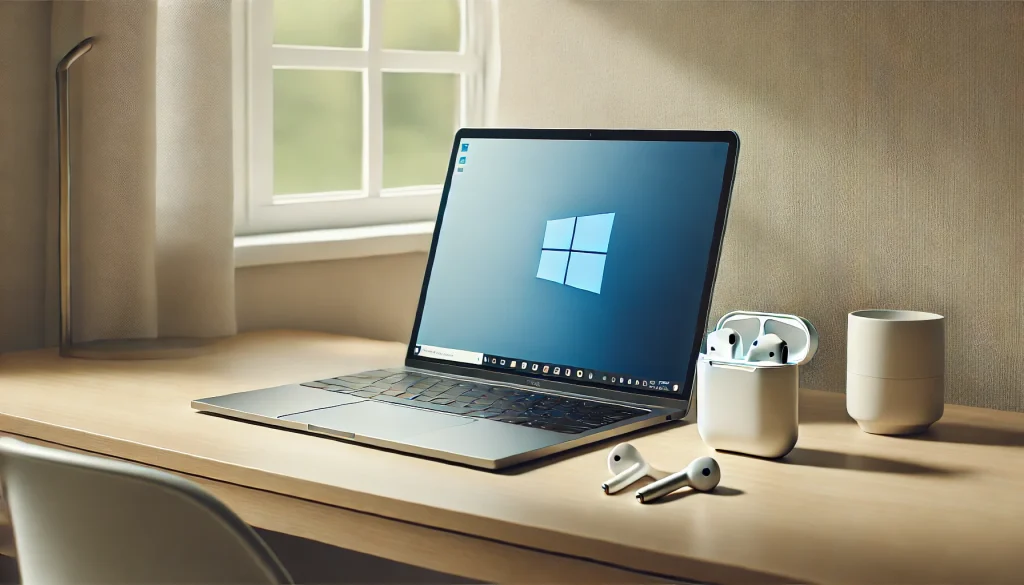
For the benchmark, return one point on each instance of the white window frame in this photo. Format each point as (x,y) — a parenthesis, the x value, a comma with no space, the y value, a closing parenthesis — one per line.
(257,209)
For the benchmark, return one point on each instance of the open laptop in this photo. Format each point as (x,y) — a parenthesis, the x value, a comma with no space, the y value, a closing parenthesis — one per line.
(565,301)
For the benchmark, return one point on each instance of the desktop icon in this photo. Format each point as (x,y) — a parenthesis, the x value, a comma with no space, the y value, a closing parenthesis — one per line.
(459,169)
(604,378)
(465,147)
(534,368)
(503,362)
(513,364)
(558,370)
(568,371)
(579,373)
(416,351)
(675,387)
(645,383)
(620,380)
(630,381)
(546,368)
(462,160)
(590,376)
(524,365)
(494,360)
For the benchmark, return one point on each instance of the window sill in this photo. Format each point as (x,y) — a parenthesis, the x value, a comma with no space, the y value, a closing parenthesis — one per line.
(336,244)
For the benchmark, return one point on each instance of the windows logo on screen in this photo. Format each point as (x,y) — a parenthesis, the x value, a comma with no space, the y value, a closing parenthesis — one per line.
(574,251)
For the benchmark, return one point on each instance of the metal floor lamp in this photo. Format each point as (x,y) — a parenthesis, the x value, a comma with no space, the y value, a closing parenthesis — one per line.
(112,349)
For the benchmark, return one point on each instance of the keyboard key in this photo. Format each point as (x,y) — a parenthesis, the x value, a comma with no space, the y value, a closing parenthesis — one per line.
(442,401)
(568,429)
(516,420)
(403,385)
(427,405)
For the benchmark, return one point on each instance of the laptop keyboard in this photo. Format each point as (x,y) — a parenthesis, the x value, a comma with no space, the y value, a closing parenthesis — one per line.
(498,403)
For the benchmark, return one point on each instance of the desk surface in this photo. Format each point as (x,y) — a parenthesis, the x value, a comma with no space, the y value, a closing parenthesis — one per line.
(844,506)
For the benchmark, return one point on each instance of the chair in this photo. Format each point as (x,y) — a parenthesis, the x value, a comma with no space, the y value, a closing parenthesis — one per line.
(85,519)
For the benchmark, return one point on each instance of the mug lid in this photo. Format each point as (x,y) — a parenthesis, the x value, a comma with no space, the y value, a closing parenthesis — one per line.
(798,333)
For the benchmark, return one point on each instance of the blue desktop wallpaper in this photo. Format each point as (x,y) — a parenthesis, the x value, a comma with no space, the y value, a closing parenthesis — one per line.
(485,295)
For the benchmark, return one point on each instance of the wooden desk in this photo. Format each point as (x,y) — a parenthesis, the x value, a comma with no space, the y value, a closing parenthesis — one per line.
(844,507)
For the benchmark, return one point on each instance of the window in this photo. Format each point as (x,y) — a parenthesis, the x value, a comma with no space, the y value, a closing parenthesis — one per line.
(575,249)
(352,107)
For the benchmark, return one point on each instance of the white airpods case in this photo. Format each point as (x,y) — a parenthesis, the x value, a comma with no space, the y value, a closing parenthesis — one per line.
(752,408)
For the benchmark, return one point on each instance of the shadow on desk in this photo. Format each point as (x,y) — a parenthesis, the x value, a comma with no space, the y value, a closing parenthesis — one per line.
(9,571)
(720,491)
(835,460)
(310,561)
(822,412)
(943,432)
(970,435)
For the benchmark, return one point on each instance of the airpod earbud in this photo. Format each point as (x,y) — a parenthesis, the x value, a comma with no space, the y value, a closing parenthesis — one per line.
(769,348)
(725,344)
(628,466)
(703,475)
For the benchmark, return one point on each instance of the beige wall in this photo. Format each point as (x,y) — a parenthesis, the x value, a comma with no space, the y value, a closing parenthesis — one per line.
(882,159)
(24,133)
(882,165)
(369,297)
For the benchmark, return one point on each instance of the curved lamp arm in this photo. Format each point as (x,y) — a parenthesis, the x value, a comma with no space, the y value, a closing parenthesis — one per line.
(64,182)
(73,55)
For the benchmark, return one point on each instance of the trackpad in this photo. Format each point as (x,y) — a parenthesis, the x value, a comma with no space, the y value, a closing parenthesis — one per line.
(377,420)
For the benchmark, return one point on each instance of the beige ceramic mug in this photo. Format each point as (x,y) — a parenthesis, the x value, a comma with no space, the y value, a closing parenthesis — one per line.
(895,366)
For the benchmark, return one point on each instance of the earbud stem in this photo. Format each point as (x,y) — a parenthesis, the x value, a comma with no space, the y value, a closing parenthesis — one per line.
(663,487)
(624,479)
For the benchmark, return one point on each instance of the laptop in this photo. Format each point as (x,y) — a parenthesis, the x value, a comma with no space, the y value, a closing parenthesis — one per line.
(565,301)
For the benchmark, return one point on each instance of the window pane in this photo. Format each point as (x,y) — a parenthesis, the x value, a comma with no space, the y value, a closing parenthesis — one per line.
(421,25)
(319,23)
(318,131)
(420,119)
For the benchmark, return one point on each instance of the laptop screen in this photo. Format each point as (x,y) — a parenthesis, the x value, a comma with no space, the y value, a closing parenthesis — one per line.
(582,260)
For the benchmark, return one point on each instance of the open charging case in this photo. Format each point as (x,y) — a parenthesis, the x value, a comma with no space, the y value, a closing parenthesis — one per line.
(753,407)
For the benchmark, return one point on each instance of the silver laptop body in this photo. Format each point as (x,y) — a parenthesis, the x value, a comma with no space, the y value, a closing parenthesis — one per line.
(490,408)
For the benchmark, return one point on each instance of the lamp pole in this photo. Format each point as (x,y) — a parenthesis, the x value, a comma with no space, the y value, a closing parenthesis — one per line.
(64,179)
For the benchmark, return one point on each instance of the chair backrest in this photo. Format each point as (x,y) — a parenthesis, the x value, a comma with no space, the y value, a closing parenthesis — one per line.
(84,519)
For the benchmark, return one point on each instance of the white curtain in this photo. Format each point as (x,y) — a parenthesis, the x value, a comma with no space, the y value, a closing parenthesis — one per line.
(152,173)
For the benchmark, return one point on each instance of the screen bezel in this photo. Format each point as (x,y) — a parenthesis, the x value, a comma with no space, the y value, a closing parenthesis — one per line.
(589,388)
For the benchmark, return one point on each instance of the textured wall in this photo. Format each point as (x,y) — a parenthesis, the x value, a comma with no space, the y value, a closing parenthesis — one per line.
(25,113)
(882,158)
